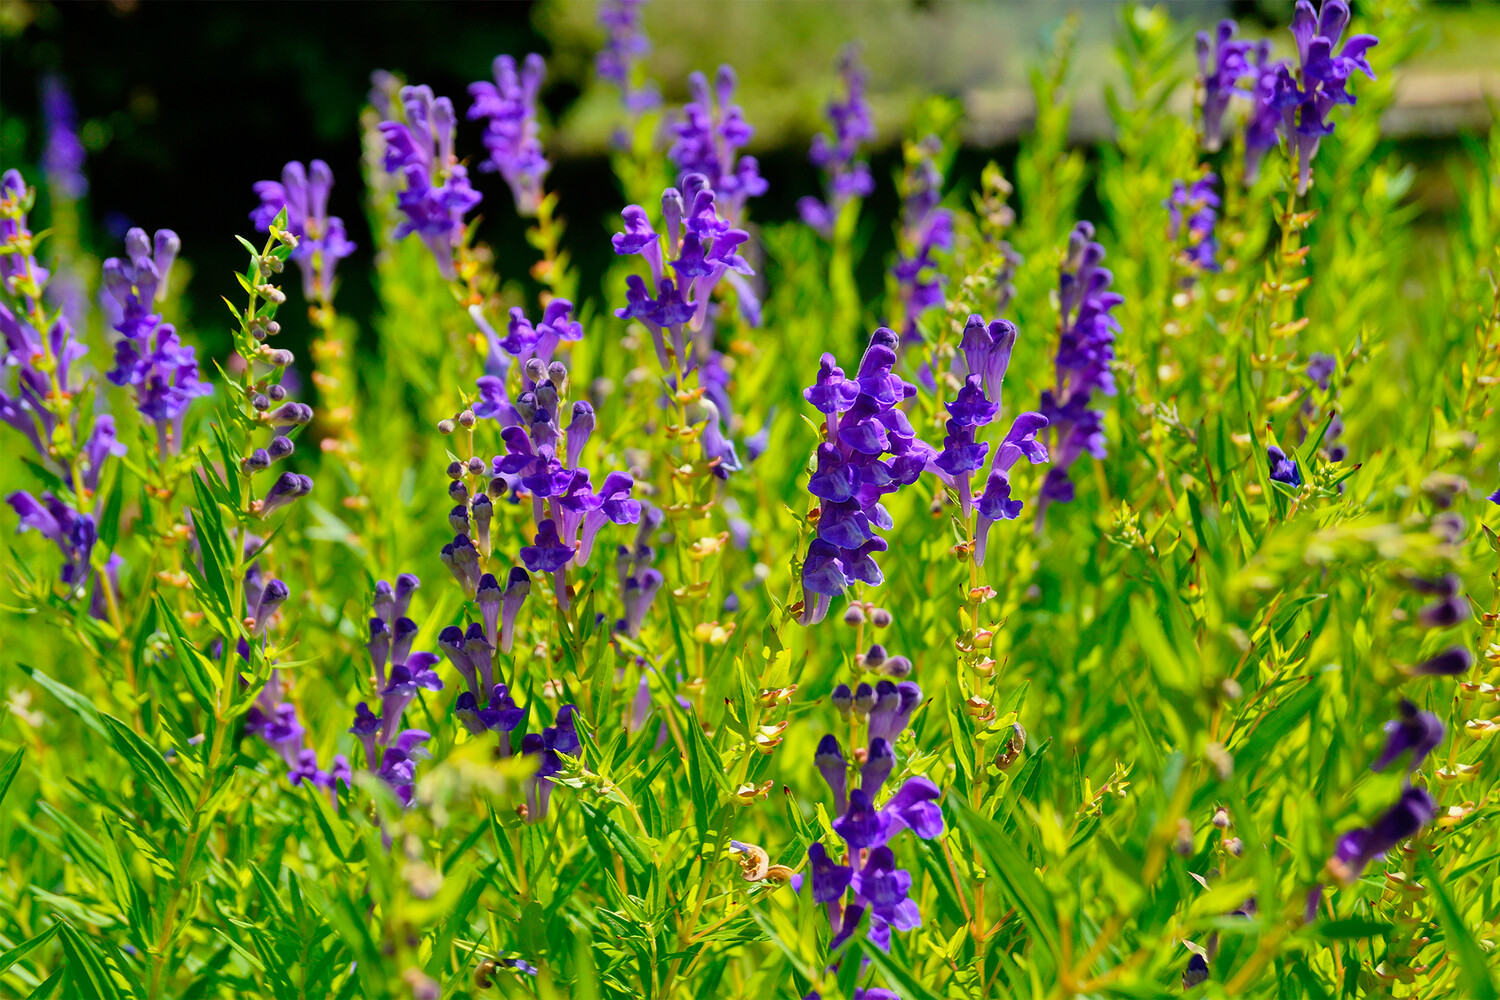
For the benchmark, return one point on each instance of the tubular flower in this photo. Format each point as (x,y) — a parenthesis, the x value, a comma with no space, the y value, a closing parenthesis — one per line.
(1222,64)
(708,138)
(1321,81)
(436,193)
(508,108)
(1085,350)
(870,450)
(149,357)
(625,48)
(321,239)
(925,229)
(1198,205)
(846,177)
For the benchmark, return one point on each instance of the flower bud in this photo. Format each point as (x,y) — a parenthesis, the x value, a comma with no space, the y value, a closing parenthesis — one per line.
(896,666)
(854,615)
(280,359)
(466,420)
(445,427)
(260,402)
(256,461)
(458,520)
(280,447)
(476,466)
(557,374)
(875,656)
(458,492)
(455,470)
(536,369)
(277,392)
(880,618)
(843,699)
(864,699)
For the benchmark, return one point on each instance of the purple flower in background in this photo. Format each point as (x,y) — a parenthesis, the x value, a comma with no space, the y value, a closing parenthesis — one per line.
(846,176)
(63,154)
(544,748)
(1198,205)
(625,49)
(1323,76)
(321,240)
(870,451)
(508,108)
(149,356)
(1357,848)
(708,139)
(701,248)
(522,341)
(73,533)
(1263,124)
(1417,731)
(1085,350)
(925,229)
(1222,63)
(436,192)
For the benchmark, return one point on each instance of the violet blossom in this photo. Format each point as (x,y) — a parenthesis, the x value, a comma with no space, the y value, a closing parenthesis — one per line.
(925,229)
(321,239)
(511,132)
(846,176)
(625,49)
(436,193)
(1321,81)
(1197,205)
(708,139)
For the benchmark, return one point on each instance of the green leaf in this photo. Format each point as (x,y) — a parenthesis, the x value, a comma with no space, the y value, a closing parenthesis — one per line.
(148,764)
(8,771)
(1458,940)
(637,859)
(1013,872)
(86,971)
(82,706)
(1353,927)
(20,951)
(908,985)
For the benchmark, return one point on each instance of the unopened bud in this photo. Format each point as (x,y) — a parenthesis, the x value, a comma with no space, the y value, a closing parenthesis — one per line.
(536,369)
(445,427)
(897,667)
(854,615)
(466,420)
(455,470)
(277,392)
(476,466)
(260,401)
(1221,818)
(880,618)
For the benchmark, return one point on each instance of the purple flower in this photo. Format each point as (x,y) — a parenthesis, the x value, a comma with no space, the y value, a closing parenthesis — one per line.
(1085,351)
(621,59)
(63,155)
(1418,731)
(1222,63)
(436,193)
(544,747)
(321,239)
(1283,468)
(1198,205)
(508,107)
(73,533)
(925,229)
(406,679)
(846,176)
(1357,848)
(1451,662)
(709,136)
(1323,77)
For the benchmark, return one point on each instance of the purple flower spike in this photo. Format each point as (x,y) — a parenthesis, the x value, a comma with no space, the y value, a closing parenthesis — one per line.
(517,587)
(611,505)
(1222,63)
(639,593)
(846,177)
(1418,731)
(709,137)
(987,350)
(1357,848)
(476,720)
(623,54)
(1198,206)
(321,239)
(886,887)
(436,191)
(508,107)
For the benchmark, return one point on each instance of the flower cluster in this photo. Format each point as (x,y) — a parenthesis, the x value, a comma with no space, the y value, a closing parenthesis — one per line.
(986,351)
(625,47)
(321,239)
(1223,62)
(1198,205)
(707,140)
(1324,77)
(1085,350)
(544,747)
(541,464)
(149,356)
(399,675)
(847,176)
(1284,102)
(863,423)
(436,193)
(925,229)
(508,109)
(1417,733)
(46,390)
(869,876)
(1283,467)
(63,155)
(700,246)
(522,342)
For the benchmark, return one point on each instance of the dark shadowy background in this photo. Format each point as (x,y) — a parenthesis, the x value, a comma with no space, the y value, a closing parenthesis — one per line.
(183,106)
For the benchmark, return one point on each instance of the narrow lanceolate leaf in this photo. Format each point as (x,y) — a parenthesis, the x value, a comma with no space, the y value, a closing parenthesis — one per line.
(1476,967)
(87,975)
(8,771)
(11,956)
(150,767)
(1013,872)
